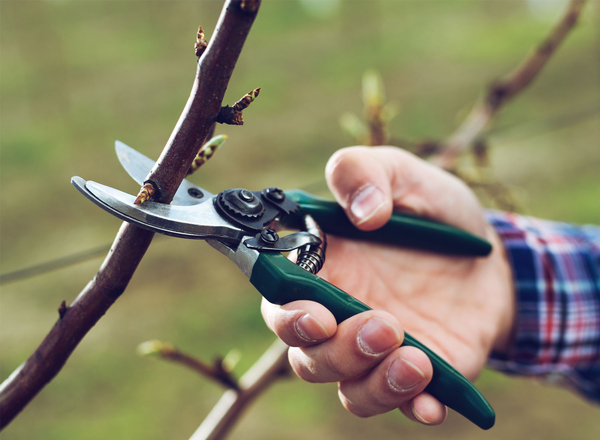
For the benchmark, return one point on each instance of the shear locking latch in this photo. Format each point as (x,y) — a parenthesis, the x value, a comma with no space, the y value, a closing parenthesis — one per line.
(268,240)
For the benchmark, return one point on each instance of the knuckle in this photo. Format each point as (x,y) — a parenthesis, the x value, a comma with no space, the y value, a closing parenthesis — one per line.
(303,366)
(374,394)
(305,372)
(332,365)
(315,365)
(350,406)
(358,411)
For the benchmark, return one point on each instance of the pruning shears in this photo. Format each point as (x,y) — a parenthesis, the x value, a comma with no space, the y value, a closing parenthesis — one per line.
(244,226)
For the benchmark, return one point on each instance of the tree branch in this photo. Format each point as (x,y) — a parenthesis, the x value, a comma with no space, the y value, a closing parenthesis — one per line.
(216,371)
(215,67)
(212,77)
(96,298)
(500,92)
(271,365)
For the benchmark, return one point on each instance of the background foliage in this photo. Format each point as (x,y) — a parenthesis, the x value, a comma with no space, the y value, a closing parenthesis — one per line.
(76,75)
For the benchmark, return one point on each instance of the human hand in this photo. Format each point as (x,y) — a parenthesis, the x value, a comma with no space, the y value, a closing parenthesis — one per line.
(461,308)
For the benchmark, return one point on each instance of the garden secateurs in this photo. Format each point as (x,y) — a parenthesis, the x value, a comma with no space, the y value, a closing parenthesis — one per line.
(244,226)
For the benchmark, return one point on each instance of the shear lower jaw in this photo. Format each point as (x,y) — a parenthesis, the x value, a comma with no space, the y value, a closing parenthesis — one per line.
(242,256)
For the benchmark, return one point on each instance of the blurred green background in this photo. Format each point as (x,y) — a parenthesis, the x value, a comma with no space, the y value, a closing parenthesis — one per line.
(77,75)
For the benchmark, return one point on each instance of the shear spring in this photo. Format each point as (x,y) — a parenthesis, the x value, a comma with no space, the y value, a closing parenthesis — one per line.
(312,257)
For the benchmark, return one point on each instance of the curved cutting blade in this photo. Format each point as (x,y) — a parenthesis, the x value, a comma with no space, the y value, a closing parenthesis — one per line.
(138,167)
(196,222)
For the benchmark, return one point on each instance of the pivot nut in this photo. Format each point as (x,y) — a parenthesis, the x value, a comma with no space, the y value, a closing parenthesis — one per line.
(241,203)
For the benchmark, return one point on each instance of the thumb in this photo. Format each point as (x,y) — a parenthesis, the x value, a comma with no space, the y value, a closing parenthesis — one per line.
(371,182)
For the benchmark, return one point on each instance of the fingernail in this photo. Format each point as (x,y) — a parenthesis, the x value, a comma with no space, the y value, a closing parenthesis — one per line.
(418,416)
(377,336)
(403,375)
(366,203)
(309,329)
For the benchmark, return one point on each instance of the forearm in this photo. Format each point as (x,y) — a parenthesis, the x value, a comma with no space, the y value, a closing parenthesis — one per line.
(556,269)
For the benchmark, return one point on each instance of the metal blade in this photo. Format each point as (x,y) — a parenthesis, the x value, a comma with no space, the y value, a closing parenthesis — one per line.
(138,166)
(196,222)
(242,256)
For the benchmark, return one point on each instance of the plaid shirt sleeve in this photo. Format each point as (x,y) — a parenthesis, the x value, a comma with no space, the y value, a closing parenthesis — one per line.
(556,269)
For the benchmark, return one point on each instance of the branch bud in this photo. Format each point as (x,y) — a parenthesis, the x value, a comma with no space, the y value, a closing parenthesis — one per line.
(246,100)
(201,43)
(249,5)
(233,115)
(231,359)
(206,152)
(146,193)
(153,347)
(62,309)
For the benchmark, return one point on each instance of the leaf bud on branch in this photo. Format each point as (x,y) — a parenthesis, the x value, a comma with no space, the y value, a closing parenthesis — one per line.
(201,43)
(147,192)
(233,115)
(206,152)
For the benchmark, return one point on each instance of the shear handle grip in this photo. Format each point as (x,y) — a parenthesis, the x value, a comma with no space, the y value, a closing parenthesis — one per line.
(401,230)
(280,281)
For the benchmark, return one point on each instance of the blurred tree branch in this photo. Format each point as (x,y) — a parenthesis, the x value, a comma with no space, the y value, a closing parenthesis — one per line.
(469,135)
(273,364)
(502,91)
(217,371)
(377,113)
(214,70)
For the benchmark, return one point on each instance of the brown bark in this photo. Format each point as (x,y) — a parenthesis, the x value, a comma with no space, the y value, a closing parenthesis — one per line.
(212,77)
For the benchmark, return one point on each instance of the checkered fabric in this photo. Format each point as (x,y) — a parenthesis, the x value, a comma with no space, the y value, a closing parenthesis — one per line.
(556,271)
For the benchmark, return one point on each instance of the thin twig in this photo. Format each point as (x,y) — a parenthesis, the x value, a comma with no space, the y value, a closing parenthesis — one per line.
(213,72)
(374,101)
(58,263)
(502,91)
(271,365)
(377,114)
(215,371)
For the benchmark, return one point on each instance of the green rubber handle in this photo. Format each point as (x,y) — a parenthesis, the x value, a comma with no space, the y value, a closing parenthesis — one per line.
(280,281)
(402,229)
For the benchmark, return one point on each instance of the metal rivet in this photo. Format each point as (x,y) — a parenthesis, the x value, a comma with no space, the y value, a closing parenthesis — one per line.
(195,192)
(276,194)
(269,235)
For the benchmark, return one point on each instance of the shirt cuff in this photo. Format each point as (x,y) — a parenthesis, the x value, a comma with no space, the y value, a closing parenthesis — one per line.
(556,270)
